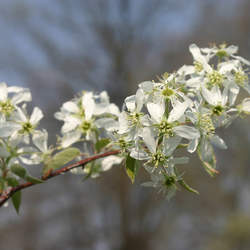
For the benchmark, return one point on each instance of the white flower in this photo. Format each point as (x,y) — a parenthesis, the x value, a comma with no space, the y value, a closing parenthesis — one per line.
(83,117)
(18,95)
(22,125)
(170,128)
(132,120)
(215,97)
(198,57)
(245,106)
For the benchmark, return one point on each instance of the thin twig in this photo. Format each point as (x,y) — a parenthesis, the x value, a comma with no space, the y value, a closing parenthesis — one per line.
(4,196)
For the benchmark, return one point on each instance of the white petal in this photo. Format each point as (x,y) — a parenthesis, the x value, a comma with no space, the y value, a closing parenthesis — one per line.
(70,138)
(70,107)
(186,70)
(226,67)
(224,96)
(130,103)
(88,104)
(146,86)
(206,150)
(149,139)
(170,144)
(139,155)
(232,49)
(40,139)
(108,123)
(16,89)
(234,90)
(113,109)
(241,59)
(70,124)
(246,105)
(123,122)
(192,146)
(20,115)
(178,111)
(156,111)
(104,98)
(8,128)
(3,91)
(139,99)
(109,161)
(24,96)
(195,51)
(187,132)
(209,96)
(36,116)
(218,142)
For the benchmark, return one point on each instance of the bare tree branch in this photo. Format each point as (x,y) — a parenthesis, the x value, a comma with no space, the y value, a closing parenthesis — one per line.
(6,195)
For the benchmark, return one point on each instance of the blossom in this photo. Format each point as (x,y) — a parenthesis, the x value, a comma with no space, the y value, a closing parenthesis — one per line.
(8,104)
(132,120)
(84,116)
(21,125)
(170,128)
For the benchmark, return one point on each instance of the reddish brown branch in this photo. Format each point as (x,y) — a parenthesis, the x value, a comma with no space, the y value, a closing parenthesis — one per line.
(4,196)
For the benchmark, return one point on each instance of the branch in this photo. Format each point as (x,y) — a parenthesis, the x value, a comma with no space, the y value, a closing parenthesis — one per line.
(4,196)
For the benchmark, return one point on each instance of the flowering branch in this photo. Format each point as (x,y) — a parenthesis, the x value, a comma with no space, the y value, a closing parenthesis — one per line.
(4,196)
(183,109)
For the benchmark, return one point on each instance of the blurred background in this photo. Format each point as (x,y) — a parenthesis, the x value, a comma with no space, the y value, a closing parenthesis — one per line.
(57,48)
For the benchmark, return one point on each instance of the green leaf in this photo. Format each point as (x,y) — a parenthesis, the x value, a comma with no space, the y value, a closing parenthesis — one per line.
(22,173)
(2,184)
(187,187)
(61,158)
(131,167)
(33,179)
(18,170)
(16,200)
(101,144)
(12,181)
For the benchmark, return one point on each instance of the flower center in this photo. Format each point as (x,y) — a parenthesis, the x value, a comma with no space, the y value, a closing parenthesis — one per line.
(27,127)
(85,126)
(167,92)
(215,78)
(198,66)
(240,77)
(158,158)
(169,180)
(134,118)
(221,53)
(217,110)
(166,129)
(6,107)
(206,125)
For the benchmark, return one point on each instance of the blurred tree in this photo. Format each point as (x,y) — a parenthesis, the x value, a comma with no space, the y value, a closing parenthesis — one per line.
(60,47)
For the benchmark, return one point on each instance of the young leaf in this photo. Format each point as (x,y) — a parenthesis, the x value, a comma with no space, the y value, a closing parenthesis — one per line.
(187,187)
(2,184)
(16,200)
(18,170)
(101,144)
(61,158)
(22,173)
(33,179)
(12,181)
(131,167)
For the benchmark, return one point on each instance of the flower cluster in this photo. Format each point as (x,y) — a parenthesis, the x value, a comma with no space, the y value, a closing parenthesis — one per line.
(21,143)
(183,109)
